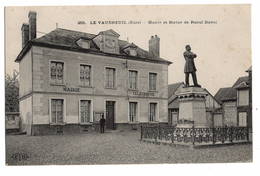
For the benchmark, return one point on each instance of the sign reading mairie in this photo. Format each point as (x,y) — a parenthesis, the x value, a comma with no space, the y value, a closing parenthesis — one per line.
(71,89)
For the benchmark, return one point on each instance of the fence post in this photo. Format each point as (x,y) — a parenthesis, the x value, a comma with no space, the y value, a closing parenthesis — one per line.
(154,130)
(156,133)
(231,134)
(213,135)
(159,132)
(141,132)
(193,135)
(172,137)
(223,134)
(247,131)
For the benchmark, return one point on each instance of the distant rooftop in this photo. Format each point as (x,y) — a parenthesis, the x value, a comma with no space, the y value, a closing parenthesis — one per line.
(242,82)
(226,94)
(172,88)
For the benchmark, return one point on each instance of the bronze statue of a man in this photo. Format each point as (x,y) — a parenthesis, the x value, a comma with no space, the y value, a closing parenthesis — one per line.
(190,66)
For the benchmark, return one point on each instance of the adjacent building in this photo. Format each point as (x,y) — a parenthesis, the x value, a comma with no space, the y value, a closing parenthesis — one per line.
(69,79)
(227,97)
(236,102)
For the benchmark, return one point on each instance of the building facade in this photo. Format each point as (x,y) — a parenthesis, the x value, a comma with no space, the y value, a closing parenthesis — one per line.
(244,105)
(69,79)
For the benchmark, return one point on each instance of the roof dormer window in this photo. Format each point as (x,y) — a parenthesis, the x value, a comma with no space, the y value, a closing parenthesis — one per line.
(132,52)
(107,41)
(83,43)
(130,49)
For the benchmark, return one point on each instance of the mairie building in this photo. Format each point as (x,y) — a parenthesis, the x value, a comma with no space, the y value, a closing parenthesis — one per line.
(69,79)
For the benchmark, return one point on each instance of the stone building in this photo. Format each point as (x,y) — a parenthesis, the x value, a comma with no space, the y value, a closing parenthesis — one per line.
(227,97)
(236,102)
(213,107)
(68,79)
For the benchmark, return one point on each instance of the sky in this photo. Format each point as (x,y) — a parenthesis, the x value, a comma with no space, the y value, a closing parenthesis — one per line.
(223,48)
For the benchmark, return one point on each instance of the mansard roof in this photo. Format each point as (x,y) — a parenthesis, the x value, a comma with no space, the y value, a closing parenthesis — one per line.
(66,39)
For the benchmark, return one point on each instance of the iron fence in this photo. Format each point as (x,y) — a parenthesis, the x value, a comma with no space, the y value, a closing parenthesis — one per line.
(170,134)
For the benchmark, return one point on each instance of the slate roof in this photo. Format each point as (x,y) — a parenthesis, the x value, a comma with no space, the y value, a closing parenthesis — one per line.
(66,39)
(173,102)
(172,88)
(226,94)
(240,80)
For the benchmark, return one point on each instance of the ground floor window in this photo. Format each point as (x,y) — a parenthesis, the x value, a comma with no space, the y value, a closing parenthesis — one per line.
(85,114)
(57,111)
(133,111)
(152,111)
(242,119)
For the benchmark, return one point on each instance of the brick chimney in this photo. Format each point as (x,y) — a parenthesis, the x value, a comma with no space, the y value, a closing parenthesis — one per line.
(154,46)
(32,25)
(25,34)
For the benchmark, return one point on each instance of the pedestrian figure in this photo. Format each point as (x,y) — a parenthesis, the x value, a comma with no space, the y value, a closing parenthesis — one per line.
(190,67)
(102,122)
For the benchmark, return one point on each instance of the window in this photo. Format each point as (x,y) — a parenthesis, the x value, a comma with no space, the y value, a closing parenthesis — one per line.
(83,43)
(132,79)
(110,77)
(152,111)
(133,52)
(243,97)
(57,72)
(133,111)
(85,75)
(152,81)
(57,111)
(242,118)
(85,111)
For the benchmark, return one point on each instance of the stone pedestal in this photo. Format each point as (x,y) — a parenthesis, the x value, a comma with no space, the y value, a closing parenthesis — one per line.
(192,107)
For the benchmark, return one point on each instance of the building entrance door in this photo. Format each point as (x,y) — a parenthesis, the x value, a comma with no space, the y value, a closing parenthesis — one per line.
(110,114)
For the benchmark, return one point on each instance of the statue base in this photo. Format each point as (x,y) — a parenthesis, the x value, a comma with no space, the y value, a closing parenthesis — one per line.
(192,108)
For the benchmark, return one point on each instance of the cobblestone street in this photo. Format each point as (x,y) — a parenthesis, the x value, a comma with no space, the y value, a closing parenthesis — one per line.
(112,148)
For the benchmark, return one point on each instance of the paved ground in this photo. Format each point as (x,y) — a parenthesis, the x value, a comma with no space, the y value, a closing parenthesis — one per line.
(112,148)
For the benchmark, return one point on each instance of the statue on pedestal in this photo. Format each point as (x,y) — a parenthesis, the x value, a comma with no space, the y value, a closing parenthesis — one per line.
(190,67)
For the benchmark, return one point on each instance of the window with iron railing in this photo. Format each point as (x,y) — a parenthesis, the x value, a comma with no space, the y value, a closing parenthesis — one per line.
(133,111)
(85,108)
(152,81)
(132,79)
(85,75)
(57,72)
(152,111)
(57,111)
(110,77)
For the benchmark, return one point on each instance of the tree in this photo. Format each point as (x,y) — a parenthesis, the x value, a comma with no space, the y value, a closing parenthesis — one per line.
(12,92)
